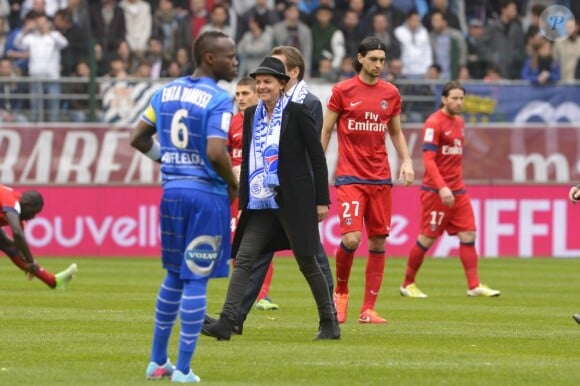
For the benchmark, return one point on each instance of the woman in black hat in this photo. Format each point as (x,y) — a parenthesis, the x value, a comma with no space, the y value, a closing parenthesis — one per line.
(280,201)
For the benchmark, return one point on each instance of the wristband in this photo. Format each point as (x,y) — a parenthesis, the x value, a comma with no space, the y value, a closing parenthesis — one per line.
(155,152)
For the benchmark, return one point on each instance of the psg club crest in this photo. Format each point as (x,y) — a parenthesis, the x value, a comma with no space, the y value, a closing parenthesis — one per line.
(348,221)
(384,104)
(202,253)
(271,158)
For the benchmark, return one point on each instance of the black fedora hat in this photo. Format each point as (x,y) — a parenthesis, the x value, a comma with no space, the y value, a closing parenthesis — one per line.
(271,66)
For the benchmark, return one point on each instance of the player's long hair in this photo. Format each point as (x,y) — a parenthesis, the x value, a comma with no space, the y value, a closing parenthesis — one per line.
(451,85)
(370,43)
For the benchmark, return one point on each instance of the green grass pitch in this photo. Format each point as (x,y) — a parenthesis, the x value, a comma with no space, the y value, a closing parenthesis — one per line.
(98,331)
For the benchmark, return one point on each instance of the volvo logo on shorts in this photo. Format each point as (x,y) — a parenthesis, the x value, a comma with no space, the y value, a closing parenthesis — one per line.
(202,253)
(384,104)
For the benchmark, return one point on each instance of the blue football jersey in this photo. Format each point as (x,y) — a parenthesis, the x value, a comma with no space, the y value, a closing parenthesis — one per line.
(186,112)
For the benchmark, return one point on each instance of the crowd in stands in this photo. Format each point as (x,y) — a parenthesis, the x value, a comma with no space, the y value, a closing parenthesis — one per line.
(441,40)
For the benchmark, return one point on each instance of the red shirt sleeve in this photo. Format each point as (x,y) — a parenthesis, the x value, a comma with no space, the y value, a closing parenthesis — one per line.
(431,133)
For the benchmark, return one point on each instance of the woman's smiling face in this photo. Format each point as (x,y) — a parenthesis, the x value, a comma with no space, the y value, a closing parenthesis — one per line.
(268,88)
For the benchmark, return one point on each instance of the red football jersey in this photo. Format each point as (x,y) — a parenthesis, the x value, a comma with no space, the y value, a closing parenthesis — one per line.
(235,139)
(442,151)
(8,202)
(365,111)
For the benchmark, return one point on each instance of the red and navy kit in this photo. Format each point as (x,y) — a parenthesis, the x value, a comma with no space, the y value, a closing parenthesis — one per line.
(442,152)
(365,111)
(9,202)
(363,175)
(443,139)
(234,144)
(234,141)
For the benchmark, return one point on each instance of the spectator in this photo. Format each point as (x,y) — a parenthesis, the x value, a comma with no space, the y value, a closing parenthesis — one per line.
(534,27)
(567,52)
(18,55)
(416,53)
(352,34)
(15,17)
(346,69)
(80,15)
(475,62)
(11,107)
(442,7)
(264,9)
(255,44)
(185,64)
(3,36)
(327,41)
(502,43)
(303,16)
(492,75)
(541,68)
(243,7)
(78,42)
(190,27)
(47,7)
(144,70)
(43,45)
(78,107)
(138,21)
(107,26)
(173,70)
(154,58)
(231,17)
(358,6)
(117,68)
(463,74)
(385,7)
(325,70)
(395,71)
(165,24)
(381,30)
(129,57)
(218,21)
(421,6)
(448,44)
(292,32)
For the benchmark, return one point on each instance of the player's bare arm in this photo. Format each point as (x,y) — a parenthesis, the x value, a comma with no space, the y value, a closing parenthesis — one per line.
(328,124)
(20,242)
(218,156)
(406,174)
(142,140)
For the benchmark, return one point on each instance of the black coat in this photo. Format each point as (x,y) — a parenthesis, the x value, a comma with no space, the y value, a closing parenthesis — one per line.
(299,193)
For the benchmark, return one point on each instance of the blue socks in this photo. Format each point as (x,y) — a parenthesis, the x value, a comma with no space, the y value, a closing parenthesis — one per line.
(166,310)
(192,313)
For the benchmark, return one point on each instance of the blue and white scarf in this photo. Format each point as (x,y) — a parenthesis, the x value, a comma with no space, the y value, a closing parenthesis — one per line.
(299,92)
(263,157)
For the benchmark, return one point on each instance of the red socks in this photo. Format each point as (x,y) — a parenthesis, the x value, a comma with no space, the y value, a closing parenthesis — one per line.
(468,258)
(344,258)
(373,279)
(45,276)
(416,257)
